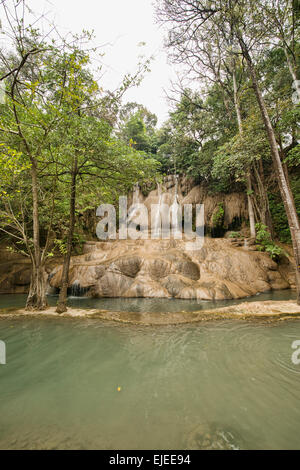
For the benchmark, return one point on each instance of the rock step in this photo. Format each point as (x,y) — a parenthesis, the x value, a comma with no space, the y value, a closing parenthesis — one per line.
(245,242)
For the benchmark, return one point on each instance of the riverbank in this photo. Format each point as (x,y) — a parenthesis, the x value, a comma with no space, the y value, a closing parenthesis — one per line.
(246,310)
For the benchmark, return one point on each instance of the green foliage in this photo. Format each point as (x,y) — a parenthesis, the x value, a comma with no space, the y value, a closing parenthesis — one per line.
(234,235)
(265,243)
(233,159)
(279,217)
(137,127)
(218,216)
(293,156)
(62,112)
(217,136)
(62,115)
(188,140)
(274,251)
(60,245)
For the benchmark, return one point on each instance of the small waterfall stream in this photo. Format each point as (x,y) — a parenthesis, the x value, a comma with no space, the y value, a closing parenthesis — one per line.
(175,212)
(133,210)
(156,227)
(165,207)
(76,290)
(136,193)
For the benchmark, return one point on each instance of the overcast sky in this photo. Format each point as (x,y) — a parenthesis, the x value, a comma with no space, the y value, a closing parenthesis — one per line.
(122,25)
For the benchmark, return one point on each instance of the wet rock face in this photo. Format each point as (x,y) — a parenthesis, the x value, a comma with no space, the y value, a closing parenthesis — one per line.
(174,285)
(188,269)
(129,266)
(165,268)
(14,278)
(158,268)
(15,272)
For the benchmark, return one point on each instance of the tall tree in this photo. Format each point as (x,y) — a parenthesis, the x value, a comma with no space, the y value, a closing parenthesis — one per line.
(242,23)
(48,90)
(208,56)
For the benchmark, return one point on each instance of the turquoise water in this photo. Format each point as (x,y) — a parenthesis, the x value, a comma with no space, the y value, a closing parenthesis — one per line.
(218,384)
(147,304)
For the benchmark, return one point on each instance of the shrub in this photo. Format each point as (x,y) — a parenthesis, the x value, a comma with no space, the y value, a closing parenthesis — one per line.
(265,242)
(234,235)
(218,215)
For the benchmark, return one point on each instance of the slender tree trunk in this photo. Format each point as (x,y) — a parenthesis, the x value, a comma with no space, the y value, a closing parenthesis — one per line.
(225,101)
(62,300)
(286,194)
(236,101)
(36,299)
(292,70)
(262,199)
(250,207)
(240,126)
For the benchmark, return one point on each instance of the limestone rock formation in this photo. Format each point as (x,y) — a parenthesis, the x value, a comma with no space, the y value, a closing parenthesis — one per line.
(186,192)
(14,273)
(164,268)
(222,269)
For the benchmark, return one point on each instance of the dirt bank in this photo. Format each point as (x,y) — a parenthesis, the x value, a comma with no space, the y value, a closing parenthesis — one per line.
(247,310)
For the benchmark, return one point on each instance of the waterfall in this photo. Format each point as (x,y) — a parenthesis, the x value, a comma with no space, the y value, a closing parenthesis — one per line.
(136,192)
(157,214)
(164,211)
(175,212)
(176,190)
(76,290)
(135,200)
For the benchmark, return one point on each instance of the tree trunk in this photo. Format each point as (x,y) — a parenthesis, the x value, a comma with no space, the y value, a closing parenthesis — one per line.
(286,194)
(292,70)
(240,126)
(62,300)
(250,207)
(225,100)
(262,198)
(236,100)
(36,299)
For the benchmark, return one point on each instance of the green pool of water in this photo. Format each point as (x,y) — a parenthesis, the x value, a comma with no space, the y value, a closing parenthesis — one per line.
(148,304)
(224,384)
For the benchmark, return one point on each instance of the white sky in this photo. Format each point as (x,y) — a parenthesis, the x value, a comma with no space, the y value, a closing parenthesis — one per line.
(121,25)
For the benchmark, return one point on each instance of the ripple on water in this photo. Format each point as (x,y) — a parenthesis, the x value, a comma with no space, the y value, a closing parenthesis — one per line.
(226,384)
(213,436)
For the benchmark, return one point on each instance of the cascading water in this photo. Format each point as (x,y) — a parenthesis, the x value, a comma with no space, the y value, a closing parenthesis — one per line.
(156,227)
(135,200)
(164,211)
(136,193)
(175,212)
(167,208)
(76,290)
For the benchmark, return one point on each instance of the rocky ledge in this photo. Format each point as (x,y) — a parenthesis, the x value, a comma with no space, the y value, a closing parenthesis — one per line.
(164,268)
(271,310)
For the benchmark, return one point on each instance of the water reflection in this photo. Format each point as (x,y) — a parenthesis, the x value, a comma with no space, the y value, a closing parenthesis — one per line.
(147,304)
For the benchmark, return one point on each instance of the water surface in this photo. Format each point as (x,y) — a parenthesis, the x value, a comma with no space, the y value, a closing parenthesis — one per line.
(148,304)
(223,384)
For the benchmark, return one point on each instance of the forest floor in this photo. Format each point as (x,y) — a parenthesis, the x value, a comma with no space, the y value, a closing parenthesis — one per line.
(268,309)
